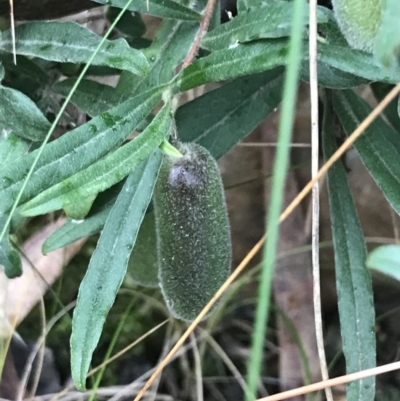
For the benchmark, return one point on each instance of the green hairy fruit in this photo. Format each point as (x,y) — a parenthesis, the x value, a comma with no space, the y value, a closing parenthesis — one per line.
(359,21)
(143,263)
(193,234)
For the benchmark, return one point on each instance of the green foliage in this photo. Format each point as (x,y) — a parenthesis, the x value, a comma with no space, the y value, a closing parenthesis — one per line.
(379,147)
(69,42)
(143,263)
(356,62)
(11,148)
(9,257)
(331,77)
(252,96)
(73,230)
(231,63)
(359,21)
(130,24)
(266,22)
(91,97)
(103,171)
(158,8)
(168,49)
(386,260)
(108,265)
(194,250)
(391,112)
(355,299)
(76,150)
(387,41)
(20,115)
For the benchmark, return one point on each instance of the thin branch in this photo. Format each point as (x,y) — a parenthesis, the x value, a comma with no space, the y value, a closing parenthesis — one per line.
(13,31)
(205,22)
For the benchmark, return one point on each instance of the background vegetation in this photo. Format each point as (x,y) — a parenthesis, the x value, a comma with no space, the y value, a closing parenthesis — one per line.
(83,117)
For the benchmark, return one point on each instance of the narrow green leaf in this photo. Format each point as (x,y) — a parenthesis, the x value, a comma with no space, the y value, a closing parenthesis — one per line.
(2,72)
(387,41)
(217,15)
(355,62)
(169,48)
(158,8)
(70,42)
(130,24)
(24,67)
(329,32)
(355,298)
(11,148)
(378,147)
(91,97)
(75,150)
(20,115)
(79,210)
(108,265)
(73,229)
(268,21)
(143,263)
(232,111)
(386,259)
(231,63)
(398,107)
(105,172)
(330,77)
(391,110)
(9,257)
(244,5)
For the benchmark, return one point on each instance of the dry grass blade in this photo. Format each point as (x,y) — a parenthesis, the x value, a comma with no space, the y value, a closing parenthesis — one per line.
(108,361)
(197,368)
(346,145)
(342,150)
(225,358)
(333,382)
(29,365)
(313,51)
(133,387)
(127,348)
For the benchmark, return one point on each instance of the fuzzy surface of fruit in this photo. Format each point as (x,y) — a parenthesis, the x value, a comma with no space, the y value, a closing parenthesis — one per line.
(359,21)
(193,234)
